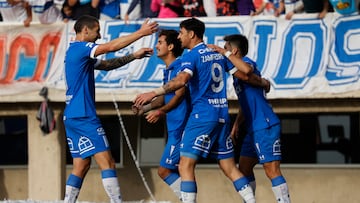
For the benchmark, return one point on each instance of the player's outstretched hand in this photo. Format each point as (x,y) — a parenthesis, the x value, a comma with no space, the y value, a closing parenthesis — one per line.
(148,28)
(143,99)
(143,52)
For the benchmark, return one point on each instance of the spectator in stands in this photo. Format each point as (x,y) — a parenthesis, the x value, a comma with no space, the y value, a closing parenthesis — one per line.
(145,10)
(16,11)
(66,11)
(167,8)
(260,6)
(310,6)
(198,8)
(226,8)
(110,9)
(84,7)
(47,12)
(345,7)
(292,5)
(245,7)
(271,7)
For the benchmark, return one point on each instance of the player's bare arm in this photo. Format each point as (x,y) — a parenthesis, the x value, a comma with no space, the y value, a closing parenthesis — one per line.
(175,101)
(176,83)
(236,61)
(155,115)
(147,28)
(254,80)
(114,63)
(155,103)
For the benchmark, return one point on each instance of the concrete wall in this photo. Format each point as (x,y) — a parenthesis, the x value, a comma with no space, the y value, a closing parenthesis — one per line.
(45,175)
(307,185)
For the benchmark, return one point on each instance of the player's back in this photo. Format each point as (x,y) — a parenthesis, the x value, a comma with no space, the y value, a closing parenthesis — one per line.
(256,108)
(79,77)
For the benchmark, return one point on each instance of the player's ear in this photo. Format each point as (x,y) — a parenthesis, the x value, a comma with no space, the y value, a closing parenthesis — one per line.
(192,34)
(235,51)
(170,47)
(86,30)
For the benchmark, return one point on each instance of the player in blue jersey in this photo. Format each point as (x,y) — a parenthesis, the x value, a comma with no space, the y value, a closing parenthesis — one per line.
(85,136)
(176,106)
(262,141)
(207,132)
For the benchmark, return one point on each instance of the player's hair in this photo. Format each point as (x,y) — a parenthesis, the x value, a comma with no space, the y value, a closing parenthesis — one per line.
(85,20)
(171,38)
(195,25)
(239,41)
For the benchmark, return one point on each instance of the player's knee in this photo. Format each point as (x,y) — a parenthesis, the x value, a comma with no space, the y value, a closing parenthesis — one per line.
(272,170)
(163,172)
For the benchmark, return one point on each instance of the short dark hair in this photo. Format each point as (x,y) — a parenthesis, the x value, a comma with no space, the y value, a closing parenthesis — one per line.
(172,38)
(240,41)
(195,25)
(85,20)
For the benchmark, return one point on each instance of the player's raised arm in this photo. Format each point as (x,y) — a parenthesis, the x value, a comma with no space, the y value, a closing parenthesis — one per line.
(147,28)
(114,63)
(236,61)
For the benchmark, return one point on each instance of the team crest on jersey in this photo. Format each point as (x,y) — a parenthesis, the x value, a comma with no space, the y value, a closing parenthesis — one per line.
(203,142)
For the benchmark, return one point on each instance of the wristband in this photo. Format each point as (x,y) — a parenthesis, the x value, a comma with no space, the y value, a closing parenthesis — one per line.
(159,91)
(227,54)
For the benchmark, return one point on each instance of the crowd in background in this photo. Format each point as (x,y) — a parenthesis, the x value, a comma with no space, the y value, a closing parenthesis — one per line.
(50,11)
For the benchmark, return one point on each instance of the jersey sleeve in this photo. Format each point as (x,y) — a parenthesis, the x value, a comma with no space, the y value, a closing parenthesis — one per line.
(229,67)
(188,64)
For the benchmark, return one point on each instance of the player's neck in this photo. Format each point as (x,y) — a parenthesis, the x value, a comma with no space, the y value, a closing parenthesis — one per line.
(195,42)
(168,59)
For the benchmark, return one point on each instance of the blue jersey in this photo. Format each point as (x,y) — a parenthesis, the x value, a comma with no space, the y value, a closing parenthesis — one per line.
(257,111)
(79,77)
(207,84)
(176,118)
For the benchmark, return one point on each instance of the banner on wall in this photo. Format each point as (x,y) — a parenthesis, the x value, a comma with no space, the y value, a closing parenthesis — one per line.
(303,58)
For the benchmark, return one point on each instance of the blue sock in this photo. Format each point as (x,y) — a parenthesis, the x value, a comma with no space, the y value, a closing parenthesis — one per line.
(74,181)
(171,178)
(188,186)
(278,181)
(108,173)
(241,183)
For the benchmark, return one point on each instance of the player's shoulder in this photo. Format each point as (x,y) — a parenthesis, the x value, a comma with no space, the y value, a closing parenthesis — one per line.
(248,60)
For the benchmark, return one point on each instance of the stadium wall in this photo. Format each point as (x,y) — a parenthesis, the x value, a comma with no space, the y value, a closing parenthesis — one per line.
(44,177)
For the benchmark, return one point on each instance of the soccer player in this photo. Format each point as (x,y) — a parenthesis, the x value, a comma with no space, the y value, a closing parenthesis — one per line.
(85,136)
(207,132)
(262,141)
(176,106)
